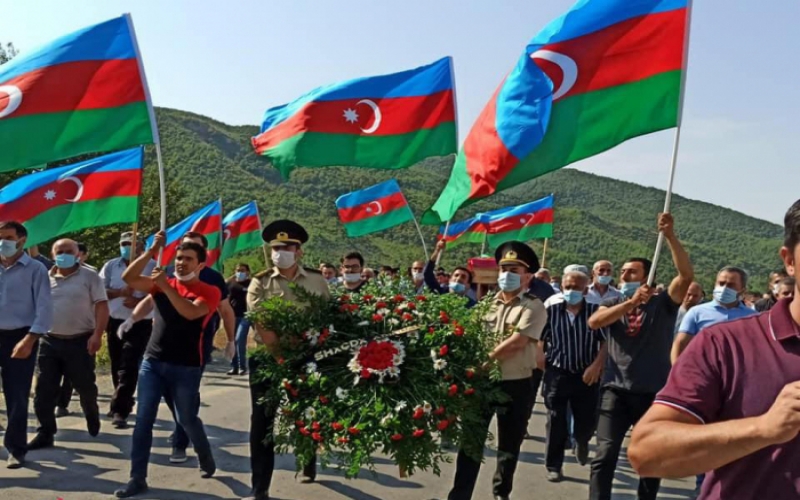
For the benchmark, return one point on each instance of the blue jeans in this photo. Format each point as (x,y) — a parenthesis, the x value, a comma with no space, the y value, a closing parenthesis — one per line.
(17,377)
(183,384)
(239,360)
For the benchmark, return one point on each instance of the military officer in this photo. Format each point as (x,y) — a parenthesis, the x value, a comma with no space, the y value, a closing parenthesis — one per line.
(517,319)
(286,239)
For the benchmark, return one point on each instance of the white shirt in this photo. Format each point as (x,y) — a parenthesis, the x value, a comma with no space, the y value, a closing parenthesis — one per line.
(111,273)
(594,297)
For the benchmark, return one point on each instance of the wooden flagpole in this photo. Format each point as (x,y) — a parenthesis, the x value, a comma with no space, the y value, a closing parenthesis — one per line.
(261,231)
(439,257)
(544,252)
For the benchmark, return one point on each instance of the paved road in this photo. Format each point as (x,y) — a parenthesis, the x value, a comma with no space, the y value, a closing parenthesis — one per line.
(83,468)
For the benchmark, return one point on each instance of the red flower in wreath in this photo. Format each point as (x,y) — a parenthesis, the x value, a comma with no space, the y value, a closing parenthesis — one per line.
(469,392)
(470,373)
(354,431)
(439,411)
(323,399)
(431,330)
(344,440)
(299,423)
(443,317)
(418,414)
(380,305)
(418,433)
(421,298)
(397,437)
(367,298)
(315,426)
(316,436)
(379,358)
(304,431)
(337,426)
(399,298)
(408,316)
(345,298)
(377,318)
(453,390)
(459,331)
(365,373)
(411,306)
(442,425)
(444,350)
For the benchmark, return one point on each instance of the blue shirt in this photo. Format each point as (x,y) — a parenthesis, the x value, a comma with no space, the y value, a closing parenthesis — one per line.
(711,313)
(25,296)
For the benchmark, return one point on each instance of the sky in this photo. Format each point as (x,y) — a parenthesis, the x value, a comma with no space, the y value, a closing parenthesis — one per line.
(232,60)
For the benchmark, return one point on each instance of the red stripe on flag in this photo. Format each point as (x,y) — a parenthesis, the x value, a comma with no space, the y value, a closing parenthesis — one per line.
(242,226)
(385,205)
(399,115)
(77,85)
(519,221)
(206,226)
(622,53)
(96,186)
(212,256)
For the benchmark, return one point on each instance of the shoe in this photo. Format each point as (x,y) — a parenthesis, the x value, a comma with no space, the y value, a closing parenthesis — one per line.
(133,488)
(110,414)
(501,497)
(309,474)
(554,476)
(243,372)
(178,456)
(93,424)
(40,441)
(207,466)
(15,462)
(62,412)
(119,422)
(581,451)
(233,371)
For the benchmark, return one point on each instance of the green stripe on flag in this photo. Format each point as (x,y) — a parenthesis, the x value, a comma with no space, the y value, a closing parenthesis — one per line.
(539,231)
(72,217)
(241,243)
(379,222)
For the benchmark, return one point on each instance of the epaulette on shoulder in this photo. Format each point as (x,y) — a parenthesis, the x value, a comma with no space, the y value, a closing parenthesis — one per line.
(261,274)
(312,270)
(531,296)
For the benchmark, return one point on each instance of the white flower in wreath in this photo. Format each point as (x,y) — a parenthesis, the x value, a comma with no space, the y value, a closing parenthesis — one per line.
(311,368)
(341,393)
(363,323)
(434,355)
(439,364)
(402,405)
(394,321)
(354,365)
(427,407)
(385,421)
(310,413)
(383,312)
(393,371)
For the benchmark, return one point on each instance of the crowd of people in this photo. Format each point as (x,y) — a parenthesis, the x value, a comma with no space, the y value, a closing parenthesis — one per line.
(709,387)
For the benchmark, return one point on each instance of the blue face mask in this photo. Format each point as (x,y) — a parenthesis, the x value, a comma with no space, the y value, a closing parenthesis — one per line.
(66,261)
(125,252)
(605,280)
(457,287)
(508,282)
(8,248)
(725,295)
(628,289)
(573,297)
(241,276)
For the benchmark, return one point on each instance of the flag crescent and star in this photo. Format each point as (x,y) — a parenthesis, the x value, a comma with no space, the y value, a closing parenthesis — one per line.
(13,100)
(375,211)
(351,115)
(569,70)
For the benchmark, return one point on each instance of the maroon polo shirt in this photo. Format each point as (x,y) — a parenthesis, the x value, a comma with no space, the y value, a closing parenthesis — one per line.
(735,370)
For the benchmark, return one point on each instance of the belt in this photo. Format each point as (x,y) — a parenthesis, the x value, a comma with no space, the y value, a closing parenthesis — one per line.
(69,337)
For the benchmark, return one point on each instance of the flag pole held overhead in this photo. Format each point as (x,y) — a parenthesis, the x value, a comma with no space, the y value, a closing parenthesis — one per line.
(439,257)
(676,145)
(156,137)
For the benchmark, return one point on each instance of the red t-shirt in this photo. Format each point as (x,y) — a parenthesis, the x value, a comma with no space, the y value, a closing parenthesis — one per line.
(735,370)
(176,339)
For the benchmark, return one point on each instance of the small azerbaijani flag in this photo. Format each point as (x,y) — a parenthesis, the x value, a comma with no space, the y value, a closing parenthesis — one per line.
(206,221)
(81,93)
(373,209)
(97,192)
(466,231)
(242,230)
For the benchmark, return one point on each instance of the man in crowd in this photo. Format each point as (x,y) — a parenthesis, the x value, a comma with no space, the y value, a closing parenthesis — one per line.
(83,255)
(460,281)
(544,275)
(727,305)
(574,355)
(768,302)
(238,286)
(80,317)
(27,313)
(329,273)
(601,289)
(126,340)
(173,360)
(731,403)
(786,288)
(286,239)
(523,316)
(638,362)
(694,296)
(33,251)
(368,274)
(418,276)
(352,268)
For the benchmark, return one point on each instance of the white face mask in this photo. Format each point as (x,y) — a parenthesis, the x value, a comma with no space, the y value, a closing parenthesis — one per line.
(418,276)
(352,277)
(283,259)
(186,277)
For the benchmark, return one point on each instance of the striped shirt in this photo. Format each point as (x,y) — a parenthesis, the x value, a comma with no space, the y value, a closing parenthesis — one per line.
(570,344)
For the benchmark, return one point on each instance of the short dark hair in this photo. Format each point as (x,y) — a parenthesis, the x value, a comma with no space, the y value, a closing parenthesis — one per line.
(16,226)
(242,264)
(646,263)
(738,270)
(354,255)
(790,281)
(196,235)
(469,273)
(83,248)
(196,248)
(791,226)
(328,265)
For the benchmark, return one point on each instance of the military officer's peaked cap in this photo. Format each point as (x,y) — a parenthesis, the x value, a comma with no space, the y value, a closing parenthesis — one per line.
(284,232)
(517,252)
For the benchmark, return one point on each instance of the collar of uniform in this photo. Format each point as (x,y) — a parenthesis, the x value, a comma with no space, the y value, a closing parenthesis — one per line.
(498,299)
(300,272)
(781,324)
(59,276)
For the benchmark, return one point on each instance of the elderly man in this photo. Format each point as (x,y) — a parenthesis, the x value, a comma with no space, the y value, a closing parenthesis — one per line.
(694,296)
(126,340)
(418,276)
(601,290)
(27,313)
(80,316)
(572,355)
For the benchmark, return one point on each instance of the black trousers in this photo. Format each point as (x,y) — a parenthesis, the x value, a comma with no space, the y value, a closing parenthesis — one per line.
(619,411)
(536,381)
(564,390)
(57,358)
(262,444)
(512,420)
(64,393)
(17,376)
(126,355)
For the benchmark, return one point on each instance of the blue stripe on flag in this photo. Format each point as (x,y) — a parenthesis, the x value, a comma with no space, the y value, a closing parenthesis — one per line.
(369,194)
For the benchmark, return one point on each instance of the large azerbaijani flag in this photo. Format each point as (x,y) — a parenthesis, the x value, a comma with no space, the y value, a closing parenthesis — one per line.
(242,230)
(97,192)
(466,231)
(79,94)
(373,209)
(206,221)
(604,72)
(388,122)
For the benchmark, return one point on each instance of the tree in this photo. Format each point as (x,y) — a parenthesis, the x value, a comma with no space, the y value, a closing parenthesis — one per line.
(7,53)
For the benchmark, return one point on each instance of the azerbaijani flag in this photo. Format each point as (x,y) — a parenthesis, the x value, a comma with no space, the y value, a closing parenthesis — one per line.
(97,192)
(373,209)
(604,72)
(242,230)
(465,231)
(206,221)
(522,223)
(79,94)
(387,122)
